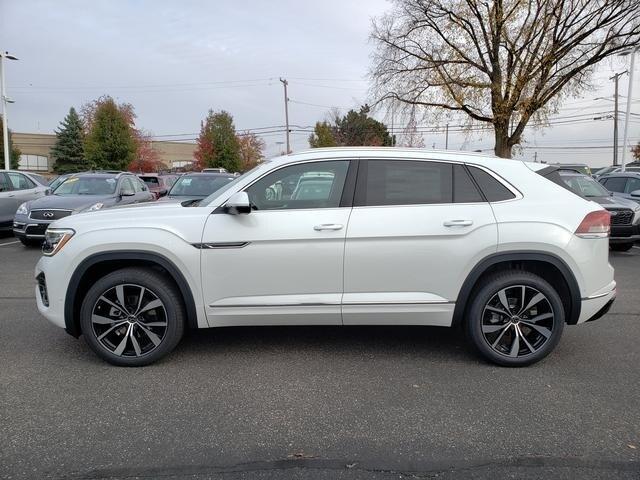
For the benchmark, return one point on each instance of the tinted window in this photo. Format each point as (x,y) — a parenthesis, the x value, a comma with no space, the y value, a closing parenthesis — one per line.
(493,190)
(401,182)
(307,185)
(464,190)
(150,180)
(20,182)
(633,184)
(615,184)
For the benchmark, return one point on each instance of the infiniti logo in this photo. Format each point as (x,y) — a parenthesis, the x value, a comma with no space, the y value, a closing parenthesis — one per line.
(47,214)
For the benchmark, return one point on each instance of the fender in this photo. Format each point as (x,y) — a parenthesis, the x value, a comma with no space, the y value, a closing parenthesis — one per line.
(523,255)
(72,324)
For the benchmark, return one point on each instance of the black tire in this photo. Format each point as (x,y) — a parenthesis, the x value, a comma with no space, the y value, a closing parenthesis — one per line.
(537,329)
(621,247)
(149,333)
(27,242)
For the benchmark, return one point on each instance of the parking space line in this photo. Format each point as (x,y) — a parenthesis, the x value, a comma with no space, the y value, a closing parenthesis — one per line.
(9,243)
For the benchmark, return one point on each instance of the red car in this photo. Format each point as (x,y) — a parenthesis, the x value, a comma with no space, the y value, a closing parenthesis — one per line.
(159,184)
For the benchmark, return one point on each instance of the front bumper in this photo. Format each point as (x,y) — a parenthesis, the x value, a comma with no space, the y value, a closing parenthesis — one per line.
(624,233)
(28,228)
(50,291)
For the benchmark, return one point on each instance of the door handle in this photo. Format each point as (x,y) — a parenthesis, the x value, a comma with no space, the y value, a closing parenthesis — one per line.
(327,226)
(458,223)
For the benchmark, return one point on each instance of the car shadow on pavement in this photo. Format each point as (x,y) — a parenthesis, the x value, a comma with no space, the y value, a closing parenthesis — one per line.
(417,341)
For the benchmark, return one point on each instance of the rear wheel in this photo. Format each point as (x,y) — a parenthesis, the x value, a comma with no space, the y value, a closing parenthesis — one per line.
(621,247)
(132,317)
(515,319)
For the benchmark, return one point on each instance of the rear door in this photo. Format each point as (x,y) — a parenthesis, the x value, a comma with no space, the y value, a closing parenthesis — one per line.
(24,189)
(416,230)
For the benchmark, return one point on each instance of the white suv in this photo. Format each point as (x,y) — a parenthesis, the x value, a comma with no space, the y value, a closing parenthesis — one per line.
(380,237)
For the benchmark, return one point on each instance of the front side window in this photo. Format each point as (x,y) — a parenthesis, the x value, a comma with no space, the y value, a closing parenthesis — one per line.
(306,185)
(615,184)
(20,182)
(403,182)
(633,184)
(4,183)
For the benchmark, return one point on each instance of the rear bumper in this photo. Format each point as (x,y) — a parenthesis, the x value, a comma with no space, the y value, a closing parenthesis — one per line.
(598,304)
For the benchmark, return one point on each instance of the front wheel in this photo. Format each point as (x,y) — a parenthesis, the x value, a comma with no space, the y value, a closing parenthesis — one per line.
(132,317)
(515,319)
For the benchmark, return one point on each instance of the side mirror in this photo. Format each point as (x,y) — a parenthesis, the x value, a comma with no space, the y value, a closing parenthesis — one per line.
(635,194)
(47,191)
(127,192)
(238,204)
(162,193)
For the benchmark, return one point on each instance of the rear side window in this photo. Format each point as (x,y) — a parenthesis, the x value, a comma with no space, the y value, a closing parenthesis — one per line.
(615,184)
(633,184)
(464,190)
(402,182)
(493,190)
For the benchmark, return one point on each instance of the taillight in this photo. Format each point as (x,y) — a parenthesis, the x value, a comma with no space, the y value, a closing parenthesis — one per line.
(595,225)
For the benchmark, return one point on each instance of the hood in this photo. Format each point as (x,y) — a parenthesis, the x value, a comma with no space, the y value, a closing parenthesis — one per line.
(69,202)
(179,198)
(615,202)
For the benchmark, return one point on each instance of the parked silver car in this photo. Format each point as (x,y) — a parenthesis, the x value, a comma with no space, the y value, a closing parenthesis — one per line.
(15,189)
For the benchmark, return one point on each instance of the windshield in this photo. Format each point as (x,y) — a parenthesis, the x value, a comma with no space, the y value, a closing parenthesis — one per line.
(87,186)
(584,186)
(199,186)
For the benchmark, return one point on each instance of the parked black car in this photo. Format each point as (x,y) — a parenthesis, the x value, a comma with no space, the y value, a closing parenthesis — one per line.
(82,192)
(625,214)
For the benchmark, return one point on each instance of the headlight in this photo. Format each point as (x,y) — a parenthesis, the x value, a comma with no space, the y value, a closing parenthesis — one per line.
(55,239)
(22,209)
(95,206)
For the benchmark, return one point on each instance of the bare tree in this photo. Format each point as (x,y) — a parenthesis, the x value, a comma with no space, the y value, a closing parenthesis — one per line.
(498,62)
(411,137)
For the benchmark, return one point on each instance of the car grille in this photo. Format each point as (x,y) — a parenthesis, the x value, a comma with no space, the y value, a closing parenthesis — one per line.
(36,229)
(49,214)
(621,217)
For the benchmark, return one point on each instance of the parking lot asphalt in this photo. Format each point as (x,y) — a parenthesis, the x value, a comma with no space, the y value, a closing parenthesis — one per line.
(317,402)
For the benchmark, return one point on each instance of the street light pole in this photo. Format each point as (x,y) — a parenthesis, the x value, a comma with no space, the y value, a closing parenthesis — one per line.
(3,101)
(625,136)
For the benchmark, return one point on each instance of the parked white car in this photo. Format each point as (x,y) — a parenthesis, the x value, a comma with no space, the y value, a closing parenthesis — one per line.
(402,237)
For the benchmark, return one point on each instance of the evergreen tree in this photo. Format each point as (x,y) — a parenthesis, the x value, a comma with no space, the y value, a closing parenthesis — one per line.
(359,129)
(111,142)
(218,144)
(14,155)
(68,151)
(322,136)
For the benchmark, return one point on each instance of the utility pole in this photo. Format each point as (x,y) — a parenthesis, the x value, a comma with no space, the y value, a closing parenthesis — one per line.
(4,100)
(615,117)
(625,136)
(286,112)
(446,137)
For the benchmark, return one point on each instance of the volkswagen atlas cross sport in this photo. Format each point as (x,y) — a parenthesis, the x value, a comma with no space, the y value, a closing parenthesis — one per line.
(344,236)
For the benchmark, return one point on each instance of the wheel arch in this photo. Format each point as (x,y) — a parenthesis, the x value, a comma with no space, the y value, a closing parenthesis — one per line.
(100,264)
(549,266)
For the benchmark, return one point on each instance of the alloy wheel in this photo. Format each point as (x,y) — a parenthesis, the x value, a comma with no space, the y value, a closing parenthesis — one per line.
(517,321)
(129,320)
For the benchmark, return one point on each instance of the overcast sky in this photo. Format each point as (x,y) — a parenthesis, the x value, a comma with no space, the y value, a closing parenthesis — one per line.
(175,60)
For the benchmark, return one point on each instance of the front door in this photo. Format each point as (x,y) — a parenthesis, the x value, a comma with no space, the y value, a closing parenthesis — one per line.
(283,262)
(416,230)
